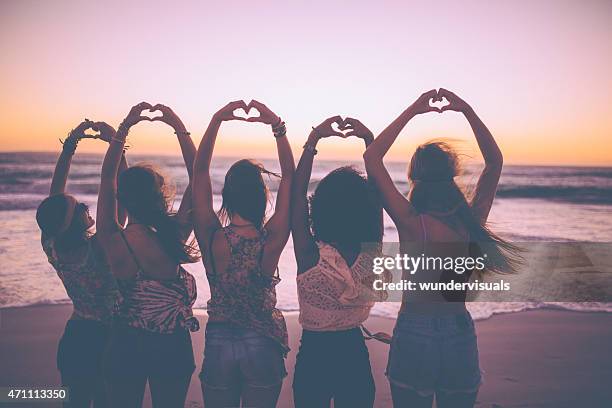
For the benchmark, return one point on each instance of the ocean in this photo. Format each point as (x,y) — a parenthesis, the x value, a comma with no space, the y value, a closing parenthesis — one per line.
(534,203)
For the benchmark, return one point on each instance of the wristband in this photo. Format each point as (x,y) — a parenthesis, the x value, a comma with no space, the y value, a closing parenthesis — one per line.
(123,128)
(310,148)
(69,144)
(280,130)
(316,132)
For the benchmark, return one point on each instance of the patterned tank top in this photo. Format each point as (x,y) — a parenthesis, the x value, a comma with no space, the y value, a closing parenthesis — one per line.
(88,281)
(244,295)
(159,306)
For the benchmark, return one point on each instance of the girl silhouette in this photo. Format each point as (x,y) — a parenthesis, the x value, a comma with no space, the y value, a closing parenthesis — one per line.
(246,336)
(75,253)
(334,276)
(434,350)
(150,339)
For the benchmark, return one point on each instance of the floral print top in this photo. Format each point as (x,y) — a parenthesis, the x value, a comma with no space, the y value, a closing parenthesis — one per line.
(244,295)
(88,281)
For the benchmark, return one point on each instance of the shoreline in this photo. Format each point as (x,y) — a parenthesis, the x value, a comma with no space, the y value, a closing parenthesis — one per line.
(543,358)
(201,311)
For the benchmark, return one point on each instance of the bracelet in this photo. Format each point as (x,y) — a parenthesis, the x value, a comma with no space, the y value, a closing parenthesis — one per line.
(310,148)
(316,132)
(280,130)
(70,143)
(123,127)
(182,132)
(280,134)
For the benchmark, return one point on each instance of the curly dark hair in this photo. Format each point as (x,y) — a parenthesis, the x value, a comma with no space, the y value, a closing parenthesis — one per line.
(345,210)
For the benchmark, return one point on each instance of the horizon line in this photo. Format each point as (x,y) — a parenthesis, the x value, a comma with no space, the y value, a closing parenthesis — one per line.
(326,159)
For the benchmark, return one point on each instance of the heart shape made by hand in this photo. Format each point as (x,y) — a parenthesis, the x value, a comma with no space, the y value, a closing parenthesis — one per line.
(151,114)
(87,135)
(439,102)
(340,126)
(244,114)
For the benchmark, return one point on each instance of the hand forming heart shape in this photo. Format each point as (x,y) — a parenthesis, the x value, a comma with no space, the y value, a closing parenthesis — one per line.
(243,113)
(87,135)
(344,128)
(151,114)
(340,126)
(439,102)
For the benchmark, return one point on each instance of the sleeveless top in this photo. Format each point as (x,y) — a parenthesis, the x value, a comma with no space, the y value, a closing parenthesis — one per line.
(88,281)
(334,296)
(159,306)
(244,295)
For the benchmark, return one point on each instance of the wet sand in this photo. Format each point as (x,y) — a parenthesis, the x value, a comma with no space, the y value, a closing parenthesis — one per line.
(541,358)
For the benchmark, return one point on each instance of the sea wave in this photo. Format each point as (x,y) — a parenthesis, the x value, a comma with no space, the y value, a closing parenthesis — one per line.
(583,195)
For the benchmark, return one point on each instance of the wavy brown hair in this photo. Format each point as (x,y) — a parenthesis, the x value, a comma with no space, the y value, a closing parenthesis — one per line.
(245,192)
(147,196)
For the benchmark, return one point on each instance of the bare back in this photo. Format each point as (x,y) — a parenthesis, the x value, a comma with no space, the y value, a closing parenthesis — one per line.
(423,232)
(146,248)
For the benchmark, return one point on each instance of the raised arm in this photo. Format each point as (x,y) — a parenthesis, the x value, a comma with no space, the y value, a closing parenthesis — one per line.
(123,166)
(278,226)
(62,167)
(106,218)
(304,246)
(188,150)
(121,211)
(204,217)
(489,179)
(394,201)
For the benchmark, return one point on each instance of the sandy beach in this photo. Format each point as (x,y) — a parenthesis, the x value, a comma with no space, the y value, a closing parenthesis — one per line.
(543,358)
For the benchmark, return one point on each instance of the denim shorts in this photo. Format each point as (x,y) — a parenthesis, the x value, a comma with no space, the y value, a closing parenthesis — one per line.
(434,354)
(236,357)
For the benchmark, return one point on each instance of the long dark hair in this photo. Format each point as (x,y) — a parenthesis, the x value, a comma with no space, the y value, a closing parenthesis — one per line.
(434,191)
(50,216)
(245,192)
(345,210)
(146,195)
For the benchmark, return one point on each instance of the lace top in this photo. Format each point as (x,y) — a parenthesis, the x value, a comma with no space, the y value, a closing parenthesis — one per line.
(160,306)
(88,281)
(334,296)
(244,295)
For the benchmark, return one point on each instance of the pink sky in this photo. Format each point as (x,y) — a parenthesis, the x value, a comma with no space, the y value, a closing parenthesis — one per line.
(538,72)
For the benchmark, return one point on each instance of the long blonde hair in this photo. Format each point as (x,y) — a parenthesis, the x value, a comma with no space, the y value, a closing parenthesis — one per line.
(434,191)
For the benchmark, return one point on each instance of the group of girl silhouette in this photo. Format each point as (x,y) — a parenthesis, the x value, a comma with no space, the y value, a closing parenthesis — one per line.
(133,300)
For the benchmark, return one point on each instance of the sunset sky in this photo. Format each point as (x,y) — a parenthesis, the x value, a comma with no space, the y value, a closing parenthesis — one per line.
(537,72)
